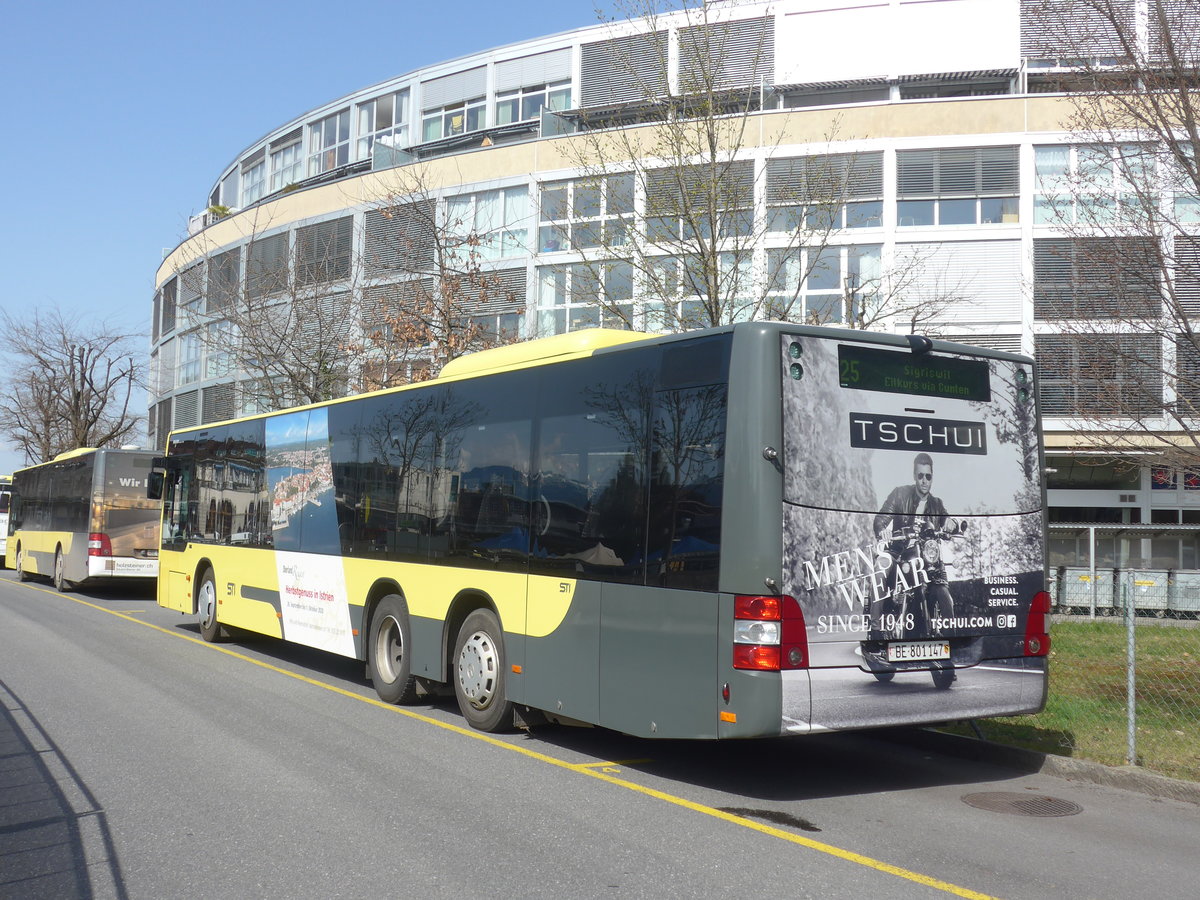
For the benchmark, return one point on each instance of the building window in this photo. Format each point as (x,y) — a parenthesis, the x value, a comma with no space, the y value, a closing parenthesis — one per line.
(528,102)
(323,251)
(1118,375)
(489,224)
(823,285)
(676,289)
(170,292)
(967,186)
(189,358)
(287,165)
(825,193)
(384,119)
(254,180)
(581,295)
(498,328)
(329,143)
(1096,278)
(678,201)
(585,213)
(1095,184)
(452,119)
(267,266)
(218,357)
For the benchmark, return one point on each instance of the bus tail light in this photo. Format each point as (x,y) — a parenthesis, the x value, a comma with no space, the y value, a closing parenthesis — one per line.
(768,633)
(1037,637)
(99,545)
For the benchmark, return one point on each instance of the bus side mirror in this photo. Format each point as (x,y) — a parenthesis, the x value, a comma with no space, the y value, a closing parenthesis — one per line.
(154,484)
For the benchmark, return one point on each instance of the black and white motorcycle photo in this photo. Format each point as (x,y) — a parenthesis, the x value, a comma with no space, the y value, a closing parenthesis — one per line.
(906,619)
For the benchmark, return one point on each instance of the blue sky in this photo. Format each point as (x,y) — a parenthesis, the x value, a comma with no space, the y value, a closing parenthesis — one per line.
(119,116)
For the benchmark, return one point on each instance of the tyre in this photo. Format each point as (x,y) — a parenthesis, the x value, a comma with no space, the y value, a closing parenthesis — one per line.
(389,651)
(60,581)
(206,607)
(479,670)
(884,677)
(943,678)
(20,565)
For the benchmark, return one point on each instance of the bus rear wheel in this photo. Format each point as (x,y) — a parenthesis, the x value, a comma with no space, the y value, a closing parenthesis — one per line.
(389,651)
(479,670)
(206,606)
(60,580)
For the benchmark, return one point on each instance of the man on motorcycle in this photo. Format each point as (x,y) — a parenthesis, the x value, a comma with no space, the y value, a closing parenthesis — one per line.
(910,507)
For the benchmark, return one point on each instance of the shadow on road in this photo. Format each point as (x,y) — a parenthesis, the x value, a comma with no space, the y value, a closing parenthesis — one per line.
(54,837)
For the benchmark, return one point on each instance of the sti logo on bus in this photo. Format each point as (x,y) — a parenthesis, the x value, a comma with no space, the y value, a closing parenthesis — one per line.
(876,432)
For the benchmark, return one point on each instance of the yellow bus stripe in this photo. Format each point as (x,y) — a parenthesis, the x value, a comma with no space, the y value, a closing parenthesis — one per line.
(592,770)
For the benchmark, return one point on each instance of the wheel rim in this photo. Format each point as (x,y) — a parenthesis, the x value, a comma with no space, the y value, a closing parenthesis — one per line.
(208,604)
(20,561)
(477,665)
(58,569)
(389,649)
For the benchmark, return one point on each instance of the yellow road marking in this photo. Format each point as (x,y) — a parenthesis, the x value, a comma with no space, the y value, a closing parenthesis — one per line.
(604,771)
(612,764)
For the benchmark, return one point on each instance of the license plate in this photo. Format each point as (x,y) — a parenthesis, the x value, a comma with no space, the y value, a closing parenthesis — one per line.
(909,650)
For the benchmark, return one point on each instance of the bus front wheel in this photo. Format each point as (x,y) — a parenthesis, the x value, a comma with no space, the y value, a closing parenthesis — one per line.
(479,671)
(206,606)
(389,651)
(22,575)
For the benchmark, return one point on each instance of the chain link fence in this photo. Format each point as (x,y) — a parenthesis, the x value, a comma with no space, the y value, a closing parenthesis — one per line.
(1125,668)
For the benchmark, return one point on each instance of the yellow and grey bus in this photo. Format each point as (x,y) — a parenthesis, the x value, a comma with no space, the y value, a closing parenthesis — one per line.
(761,529)
(84,516)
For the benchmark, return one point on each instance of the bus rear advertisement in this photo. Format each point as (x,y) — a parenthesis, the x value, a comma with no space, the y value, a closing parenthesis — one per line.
(755,530)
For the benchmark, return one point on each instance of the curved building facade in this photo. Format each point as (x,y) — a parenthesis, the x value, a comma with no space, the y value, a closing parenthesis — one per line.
(941,117)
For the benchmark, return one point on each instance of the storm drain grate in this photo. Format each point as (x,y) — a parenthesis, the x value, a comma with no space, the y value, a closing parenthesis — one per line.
(1022,804)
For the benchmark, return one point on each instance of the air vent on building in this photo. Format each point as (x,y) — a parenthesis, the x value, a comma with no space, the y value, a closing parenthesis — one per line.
(1128,498)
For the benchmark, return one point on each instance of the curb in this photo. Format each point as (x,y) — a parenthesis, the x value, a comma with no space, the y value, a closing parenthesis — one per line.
(1130,778)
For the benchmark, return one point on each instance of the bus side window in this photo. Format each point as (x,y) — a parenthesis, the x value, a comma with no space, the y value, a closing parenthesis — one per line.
(687,477)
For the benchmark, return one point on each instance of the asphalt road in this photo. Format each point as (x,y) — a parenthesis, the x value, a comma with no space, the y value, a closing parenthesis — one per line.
(137,761)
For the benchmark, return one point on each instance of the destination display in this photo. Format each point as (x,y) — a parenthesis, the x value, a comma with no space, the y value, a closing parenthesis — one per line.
(899,372)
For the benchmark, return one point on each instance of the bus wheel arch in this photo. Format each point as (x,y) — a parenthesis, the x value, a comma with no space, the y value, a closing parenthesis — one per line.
(389,644)
(464,603)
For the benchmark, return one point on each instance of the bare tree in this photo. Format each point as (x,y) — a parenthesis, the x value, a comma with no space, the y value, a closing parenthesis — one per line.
(432,292)
(1122,282)
(69,385)
(299,317)
(668,207)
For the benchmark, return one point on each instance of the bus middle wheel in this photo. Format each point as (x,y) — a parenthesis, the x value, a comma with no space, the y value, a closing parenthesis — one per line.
(389,651)
(479,673)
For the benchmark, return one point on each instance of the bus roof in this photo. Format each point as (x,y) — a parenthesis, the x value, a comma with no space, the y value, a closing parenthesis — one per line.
(572,345)
(83,451)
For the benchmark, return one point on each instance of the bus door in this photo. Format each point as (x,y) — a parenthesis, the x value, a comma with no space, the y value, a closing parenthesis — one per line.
(180,499)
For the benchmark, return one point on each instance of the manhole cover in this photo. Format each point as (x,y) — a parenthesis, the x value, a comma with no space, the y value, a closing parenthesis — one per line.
(1022,804)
